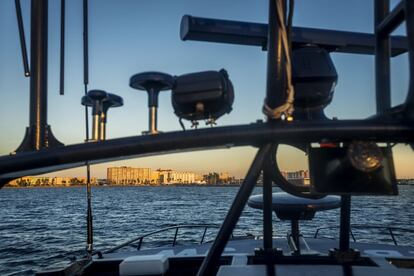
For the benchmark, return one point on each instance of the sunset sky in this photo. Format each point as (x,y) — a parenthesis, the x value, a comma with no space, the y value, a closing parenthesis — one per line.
(128,37)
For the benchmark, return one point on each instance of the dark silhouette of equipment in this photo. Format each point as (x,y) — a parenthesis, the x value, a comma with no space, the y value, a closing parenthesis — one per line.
(153,83)
(203,96)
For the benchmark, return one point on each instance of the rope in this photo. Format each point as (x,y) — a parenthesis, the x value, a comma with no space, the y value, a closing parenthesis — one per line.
(285,110)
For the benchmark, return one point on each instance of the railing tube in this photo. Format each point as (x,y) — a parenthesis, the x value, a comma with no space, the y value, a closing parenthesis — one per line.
(210,262)
(267,207)
(392,236)
(140,243)
(392,20)
(382,59)
(409,20)
(345,223)
(275,77)
(352,234)
(175,236)
(204,234)
(316,233)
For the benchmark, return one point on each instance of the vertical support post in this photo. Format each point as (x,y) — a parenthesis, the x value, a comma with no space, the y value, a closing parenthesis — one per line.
(267,207)
(345,223)
(38,134)
(409,20)
(276,74)
(38,80)
(208,267)
(382,58)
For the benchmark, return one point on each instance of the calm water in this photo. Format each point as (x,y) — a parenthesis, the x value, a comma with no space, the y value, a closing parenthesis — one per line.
(44,226)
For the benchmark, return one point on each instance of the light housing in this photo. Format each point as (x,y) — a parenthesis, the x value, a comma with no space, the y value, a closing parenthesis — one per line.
(203,95)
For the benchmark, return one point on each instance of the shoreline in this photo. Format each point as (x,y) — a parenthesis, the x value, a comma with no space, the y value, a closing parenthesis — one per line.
(127,186)
(145,186)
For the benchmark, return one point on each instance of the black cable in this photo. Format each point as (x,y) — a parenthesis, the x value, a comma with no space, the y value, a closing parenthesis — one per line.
(290,20)
(22,38)
(62,48)
(85,43)
(282,182)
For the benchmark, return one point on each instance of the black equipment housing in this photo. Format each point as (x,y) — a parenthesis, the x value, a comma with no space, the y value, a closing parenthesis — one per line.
(202,95)
(346,179)
(314,77)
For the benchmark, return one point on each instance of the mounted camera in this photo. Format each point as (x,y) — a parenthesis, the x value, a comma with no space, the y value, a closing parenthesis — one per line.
(202,96)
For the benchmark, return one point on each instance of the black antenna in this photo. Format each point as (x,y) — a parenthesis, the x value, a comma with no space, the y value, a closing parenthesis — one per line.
(85,45)
(89,247)
(22,37)
(62,48)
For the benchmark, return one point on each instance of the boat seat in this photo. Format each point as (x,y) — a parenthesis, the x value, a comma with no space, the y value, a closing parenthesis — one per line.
(144,265)
(293,208)
(289,207)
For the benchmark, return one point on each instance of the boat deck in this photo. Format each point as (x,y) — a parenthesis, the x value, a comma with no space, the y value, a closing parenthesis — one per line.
(239,258)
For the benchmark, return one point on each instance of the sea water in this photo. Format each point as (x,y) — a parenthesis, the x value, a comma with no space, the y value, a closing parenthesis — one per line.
(43,226)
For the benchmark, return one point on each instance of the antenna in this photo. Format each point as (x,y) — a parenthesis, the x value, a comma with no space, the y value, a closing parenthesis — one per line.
(62,47)
(89,225)
(22,38)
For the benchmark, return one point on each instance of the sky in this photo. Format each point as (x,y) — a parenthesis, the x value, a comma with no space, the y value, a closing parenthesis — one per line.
(128,37)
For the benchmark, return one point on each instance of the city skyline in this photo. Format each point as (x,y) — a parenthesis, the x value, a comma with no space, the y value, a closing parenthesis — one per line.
(130,176)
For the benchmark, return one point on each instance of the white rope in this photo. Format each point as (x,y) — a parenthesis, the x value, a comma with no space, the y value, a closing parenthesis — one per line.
(285,109)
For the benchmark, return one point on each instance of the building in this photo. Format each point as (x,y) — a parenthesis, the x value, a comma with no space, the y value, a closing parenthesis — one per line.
(224,176)
(300,177)
(145,176)
(129,176)
(183,177)
(168,176)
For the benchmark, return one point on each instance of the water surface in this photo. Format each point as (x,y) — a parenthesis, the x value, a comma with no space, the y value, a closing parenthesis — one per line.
(44,226)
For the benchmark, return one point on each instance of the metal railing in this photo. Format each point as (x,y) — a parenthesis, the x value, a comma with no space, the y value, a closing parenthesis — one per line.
(390,230)
(141,238)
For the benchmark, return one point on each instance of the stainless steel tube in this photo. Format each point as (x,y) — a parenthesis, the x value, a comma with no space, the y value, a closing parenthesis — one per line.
(152,127)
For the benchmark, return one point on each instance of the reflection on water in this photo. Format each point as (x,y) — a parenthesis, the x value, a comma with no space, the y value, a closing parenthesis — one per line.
(44,226)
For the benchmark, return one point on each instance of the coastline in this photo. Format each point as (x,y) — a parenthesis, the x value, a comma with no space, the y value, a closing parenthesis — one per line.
(127,186)
(145,186)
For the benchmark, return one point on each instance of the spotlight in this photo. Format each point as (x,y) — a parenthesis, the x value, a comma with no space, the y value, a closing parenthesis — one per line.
(202,96)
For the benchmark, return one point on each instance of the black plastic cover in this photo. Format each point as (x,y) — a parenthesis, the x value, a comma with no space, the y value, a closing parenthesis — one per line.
(202,95)
(314,77)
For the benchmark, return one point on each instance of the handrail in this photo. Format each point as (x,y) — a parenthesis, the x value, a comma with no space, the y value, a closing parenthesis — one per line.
(176,227)
(390,230)
(52,159)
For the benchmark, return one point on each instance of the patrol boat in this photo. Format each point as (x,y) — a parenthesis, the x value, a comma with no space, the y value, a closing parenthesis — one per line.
(346,157)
